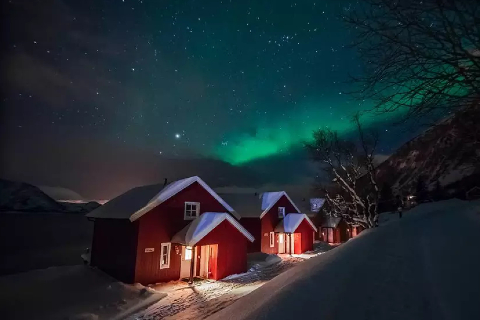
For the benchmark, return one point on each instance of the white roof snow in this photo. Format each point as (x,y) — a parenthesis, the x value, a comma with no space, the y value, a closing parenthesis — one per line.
(270,198)
(291,222)
(201,226)
(136,202)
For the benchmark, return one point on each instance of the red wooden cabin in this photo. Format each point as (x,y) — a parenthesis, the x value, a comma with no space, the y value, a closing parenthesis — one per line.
(296,233)
(336,230)
(138,235)
(261,214)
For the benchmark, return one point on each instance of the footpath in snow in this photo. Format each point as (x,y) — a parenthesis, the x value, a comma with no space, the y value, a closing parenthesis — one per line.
(207,297)
(424,266)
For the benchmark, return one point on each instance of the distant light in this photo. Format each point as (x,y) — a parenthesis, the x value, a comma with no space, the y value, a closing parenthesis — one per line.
(177,135)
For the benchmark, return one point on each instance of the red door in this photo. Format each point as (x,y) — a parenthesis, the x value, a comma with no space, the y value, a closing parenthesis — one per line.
(297,243)
(212,261)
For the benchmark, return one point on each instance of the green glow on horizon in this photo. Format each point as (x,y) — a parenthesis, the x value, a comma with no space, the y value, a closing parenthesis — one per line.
(278,136)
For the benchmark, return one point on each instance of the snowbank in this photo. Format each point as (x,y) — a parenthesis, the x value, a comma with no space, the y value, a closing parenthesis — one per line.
(67,293)
(410,269)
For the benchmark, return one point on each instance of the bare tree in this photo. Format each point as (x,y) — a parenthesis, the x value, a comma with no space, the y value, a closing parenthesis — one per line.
(348,163)
(420,56)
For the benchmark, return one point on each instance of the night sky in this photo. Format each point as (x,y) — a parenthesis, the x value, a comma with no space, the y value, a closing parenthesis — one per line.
(101,96)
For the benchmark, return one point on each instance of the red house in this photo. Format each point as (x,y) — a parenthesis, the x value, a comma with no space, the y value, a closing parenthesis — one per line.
(262,213)
(161,232)
(336,230)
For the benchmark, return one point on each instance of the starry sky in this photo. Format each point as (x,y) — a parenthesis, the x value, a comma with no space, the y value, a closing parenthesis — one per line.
(100,96)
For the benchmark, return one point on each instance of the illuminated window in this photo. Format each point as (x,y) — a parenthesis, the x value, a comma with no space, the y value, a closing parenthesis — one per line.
(281,212)
(192,210)
(272,239)
(165,255)
(188,253)
(280,238)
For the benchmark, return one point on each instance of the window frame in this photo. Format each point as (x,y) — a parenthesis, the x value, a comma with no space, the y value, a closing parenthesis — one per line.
(169,250)
(283,212)
(272,239)
(197,213)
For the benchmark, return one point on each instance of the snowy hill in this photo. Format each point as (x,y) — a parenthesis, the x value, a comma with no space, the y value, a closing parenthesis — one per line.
(19,196)
(24,197)
(59,193)
(424,266)
(443,152)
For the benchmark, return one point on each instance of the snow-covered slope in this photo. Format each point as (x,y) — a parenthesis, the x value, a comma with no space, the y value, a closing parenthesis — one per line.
(70,293)
(443,152)
(20,196)
(60,193)
(424,266)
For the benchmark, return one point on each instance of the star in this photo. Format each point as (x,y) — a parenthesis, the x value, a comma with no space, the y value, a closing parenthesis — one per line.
(177,135)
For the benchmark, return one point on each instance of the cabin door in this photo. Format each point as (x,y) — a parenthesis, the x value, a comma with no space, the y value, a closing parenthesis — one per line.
(281,242)
(185,263)
(289,243)
(204,255)
(212,261)
(297,243)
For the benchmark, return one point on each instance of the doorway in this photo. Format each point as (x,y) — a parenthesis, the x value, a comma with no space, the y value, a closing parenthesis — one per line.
(208,261)
(289,243)
(281,243)
(187,258)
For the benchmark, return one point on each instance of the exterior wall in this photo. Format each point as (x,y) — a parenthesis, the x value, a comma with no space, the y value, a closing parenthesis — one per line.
(232,249)
(343,231)
(159,226)
(306,231)
(253,226)
(270,220)
(114,248)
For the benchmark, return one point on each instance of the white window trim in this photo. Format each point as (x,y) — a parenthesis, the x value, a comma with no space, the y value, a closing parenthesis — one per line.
(197,204)
(283,211)
(272,239)
(169,247)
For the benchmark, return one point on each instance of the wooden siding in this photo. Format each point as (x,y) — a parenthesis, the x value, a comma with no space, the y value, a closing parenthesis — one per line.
(114,248)
(270,220)
(253,226)
(306,231)
(232,249)
(159,225)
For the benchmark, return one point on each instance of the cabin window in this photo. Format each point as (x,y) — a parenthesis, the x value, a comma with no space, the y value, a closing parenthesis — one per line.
(188,253)
(165,255)
(192,210)
(281,212)
(272,239)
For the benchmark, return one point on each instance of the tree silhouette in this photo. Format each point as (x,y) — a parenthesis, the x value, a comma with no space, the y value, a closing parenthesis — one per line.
(419,56)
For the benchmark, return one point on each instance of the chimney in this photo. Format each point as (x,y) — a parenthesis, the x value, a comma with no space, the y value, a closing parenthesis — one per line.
(256,193)
(165,182)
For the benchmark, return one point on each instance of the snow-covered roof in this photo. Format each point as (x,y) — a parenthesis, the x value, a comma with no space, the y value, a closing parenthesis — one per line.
(136,202)
(201,226)
(331,222)
(249,205)
(270,198)
(291,222)
(307,205)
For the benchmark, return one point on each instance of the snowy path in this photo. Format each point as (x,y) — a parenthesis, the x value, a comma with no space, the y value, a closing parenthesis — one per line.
(425,266)
(206,298)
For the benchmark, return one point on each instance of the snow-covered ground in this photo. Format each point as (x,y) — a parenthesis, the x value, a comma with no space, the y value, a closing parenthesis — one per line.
(424,266)
(70,293)
(207,297)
